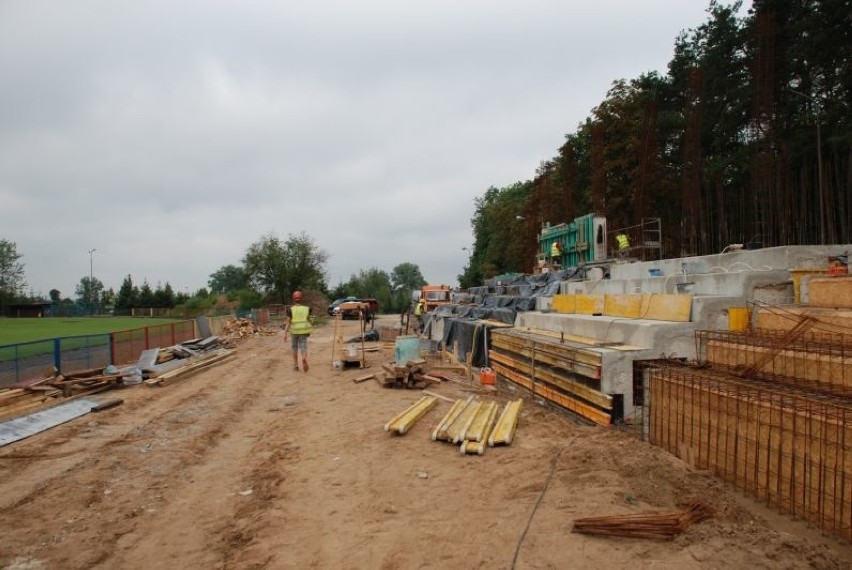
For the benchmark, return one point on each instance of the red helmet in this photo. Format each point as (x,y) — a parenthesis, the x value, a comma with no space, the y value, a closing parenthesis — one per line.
(297,295)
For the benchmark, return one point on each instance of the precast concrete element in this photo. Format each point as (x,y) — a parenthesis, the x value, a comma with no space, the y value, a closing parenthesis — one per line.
(783,258)
(404,420)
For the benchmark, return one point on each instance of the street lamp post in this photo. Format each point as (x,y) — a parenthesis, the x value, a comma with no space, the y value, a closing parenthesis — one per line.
(91,281)
(819,162)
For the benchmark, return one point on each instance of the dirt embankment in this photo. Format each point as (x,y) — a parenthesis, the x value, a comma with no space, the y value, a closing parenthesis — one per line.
(252,465)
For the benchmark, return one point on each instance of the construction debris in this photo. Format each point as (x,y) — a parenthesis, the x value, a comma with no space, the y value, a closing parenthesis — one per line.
(238,330)
(412,374)
(664,526)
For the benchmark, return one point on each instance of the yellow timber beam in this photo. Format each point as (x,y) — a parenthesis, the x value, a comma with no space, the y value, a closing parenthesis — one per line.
(403,421)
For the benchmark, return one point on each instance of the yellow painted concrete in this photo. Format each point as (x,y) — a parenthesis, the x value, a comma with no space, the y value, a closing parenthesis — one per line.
(667,307)
(564,304)
(628,306)
(589,304)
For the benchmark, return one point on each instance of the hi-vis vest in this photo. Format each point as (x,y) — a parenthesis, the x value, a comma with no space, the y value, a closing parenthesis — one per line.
(554,250)
(623,242)
(418,308)
(299,323)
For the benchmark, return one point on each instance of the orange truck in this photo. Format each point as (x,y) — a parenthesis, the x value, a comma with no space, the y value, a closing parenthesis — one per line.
(434,295)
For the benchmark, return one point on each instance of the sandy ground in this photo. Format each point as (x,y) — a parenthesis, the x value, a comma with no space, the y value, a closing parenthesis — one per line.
(250,464)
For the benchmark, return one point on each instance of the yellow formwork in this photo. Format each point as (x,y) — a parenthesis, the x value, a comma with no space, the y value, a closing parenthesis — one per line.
(403,421)
(485,417)
(505,428)
(440,431)
(456,430)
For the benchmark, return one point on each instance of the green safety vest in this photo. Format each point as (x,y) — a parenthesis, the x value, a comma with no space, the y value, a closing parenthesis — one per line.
(554,250)
(418,309)
(299,323)
(623,242)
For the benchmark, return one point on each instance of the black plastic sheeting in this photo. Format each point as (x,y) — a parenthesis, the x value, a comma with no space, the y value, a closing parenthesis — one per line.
(498,300)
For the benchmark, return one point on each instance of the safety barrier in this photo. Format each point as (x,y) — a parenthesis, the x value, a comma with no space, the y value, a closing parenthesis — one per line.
(73,353)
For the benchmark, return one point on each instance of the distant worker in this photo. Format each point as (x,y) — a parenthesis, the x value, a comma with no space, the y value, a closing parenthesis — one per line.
(299,326)
(420,313)
(555,252)
(623,244)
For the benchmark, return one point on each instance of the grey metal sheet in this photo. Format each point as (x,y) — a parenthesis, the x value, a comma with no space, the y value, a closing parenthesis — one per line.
(31,424)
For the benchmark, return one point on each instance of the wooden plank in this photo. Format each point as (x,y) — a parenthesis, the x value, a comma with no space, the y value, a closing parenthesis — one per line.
(584,410)
(360,379)
(555,352)
(591,395)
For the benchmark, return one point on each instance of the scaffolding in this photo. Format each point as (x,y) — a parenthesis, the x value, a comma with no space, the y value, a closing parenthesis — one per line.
(646,240)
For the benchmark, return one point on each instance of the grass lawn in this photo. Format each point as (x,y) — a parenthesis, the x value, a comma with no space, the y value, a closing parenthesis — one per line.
(13,331)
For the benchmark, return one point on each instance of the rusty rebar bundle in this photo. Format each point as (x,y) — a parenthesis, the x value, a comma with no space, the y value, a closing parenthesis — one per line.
(663,526)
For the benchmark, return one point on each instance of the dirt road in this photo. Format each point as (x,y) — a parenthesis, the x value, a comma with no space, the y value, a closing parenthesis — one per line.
(253,465)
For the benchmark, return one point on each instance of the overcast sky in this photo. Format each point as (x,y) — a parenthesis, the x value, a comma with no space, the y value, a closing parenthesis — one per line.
(171,135)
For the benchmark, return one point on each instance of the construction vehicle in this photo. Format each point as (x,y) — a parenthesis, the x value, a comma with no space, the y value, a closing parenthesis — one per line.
(435,295)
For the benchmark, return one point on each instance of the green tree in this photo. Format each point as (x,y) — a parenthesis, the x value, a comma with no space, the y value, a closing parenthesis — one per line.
(128,296)
(278,268)
(89,293)
(405,278)
(164,297)
(55,296)
(228,279)
(146,296)
(373,283)
(12,280)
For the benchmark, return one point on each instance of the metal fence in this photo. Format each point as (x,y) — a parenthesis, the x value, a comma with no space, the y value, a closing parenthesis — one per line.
(73,353)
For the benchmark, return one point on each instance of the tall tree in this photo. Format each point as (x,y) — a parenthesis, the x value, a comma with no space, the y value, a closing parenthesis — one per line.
(11,273)
(278,268)
(128,295)
(89,293)
(228,279)
(405,278)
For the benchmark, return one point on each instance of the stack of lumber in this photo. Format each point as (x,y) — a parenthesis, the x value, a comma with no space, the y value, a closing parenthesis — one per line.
(664,526)
(19,401)
(191,365)
(412,374)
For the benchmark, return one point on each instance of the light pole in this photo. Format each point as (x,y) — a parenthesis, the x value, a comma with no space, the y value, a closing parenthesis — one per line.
(91,282)
(819,162)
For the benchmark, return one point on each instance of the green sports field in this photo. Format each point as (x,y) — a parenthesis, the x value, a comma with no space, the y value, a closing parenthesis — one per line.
(13,331)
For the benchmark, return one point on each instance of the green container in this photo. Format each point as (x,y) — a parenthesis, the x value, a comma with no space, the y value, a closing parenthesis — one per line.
(407,348)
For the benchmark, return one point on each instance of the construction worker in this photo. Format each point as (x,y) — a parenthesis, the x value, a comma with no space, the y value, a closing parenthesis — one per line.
(623,244)
(299,326)
(420,313)
(555,253)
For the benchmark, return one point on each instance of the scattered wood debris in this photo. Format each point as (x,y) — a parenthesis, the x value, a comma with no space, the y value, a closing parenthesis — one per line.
(664,526)
(412,374)
(238,330)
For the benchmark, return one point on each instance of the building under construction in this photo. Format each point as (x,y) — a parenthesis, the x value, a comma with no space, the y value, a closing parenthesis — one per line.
(739,363)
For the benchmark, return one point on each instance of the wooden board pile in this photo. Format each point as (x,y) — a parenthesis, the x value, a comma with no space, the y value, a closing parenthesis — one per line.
(39,393)
(412,374)
(239,330)
(664,526)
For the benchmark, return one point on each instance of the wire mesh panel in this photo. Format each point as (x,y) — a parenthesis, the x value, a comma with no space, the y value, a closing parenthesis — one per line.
(790,448)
